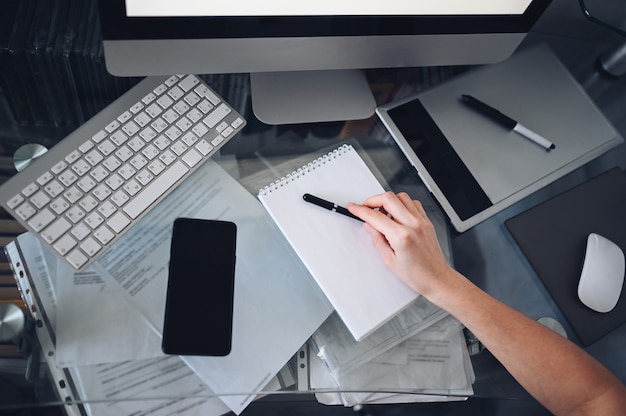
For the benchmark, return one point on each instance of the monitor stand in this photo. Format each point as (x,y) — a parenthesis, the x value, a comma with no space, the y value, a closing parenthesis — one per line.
(311,96)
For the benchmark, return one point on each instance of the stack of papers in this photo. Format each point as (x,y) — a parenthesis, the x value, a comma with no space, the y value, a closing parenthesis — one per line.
(107,321)
(419,356)
(105,324)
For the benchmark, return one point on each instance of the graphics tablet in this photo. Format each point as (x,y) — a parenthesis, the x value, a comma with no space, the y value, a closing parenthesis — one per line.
(475,167)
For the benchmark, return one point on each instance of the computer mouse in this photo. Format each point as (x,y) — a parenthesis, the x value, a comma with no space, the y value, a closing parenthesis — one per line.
(602,276)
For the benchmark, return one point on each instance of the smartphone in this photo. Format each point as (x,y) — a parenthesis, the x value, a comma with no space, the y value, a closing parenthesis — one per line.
(200,288)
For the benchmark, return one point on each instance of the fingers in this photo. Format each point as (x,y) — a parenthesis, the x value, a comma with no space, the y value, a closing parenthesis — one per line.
(381,244)
(373,217)
(401,207)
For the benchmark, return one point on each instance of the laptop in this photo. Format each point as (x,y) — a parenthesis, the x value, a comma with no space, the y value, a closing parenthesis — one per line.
(473,166)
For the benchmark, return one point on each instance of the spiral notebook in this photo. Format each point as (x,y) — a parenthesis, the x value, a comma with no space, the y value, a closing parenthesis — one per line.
(336,249)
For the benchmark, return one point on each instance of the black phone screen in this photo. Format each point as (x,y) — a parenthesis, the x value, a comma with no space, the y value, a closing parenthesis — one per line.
(200,289)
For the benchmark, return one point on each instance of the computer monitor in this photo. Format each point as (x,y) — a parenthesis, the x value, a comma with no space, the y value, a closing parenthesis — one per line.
(291,46)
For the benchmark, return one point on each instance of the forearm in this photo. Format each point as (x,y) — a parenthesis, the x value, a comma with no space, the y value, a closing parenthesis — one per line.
(557,373)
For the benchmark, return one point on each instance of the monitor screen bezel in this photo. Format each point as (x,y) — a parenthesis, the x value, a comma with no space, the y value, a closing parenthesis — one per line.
(116,25)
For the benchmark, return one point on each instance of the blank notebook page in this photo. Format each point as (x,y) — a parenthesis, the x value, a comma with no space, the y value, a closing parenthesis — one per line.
(336,249)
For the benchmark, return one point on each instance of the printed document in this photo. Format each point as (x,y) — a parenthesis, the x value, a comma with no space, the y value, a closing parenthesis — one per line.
(277,303)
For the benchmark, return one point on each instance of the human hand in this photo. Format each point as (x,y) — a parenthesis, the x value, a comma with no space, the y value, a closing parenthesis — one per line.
(405,239)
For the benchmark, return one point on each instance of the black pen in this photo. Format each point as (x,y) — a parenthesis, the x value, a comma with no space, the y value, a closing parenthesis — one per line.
(331,206)
(507,121)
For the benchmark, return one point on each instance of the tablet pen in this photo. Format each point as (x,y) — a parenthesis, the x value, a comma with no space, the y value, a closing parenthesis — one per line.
(506,121)
(331,206)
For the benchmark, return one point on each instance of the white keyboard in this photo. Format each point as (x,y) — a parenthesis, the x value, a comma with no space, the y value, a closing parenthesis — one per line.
(91,187)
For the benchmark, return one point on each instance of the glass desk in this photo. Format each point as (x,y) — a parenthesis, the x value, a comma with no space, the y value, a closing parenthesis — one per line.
(486,254)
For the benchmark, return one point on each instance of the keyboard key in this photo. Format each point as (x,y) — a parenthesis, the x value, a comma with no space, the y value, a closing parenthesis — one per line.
(54,189)
(39,200)
(126,171)
(94,220)
(65,244)
(88,203)
(73,195)
(179,148)
(144,177)
(204,91)
(114,181)
(107,209)
(68,177)
(175,93)
(148,98)
(155,190)
(124,117)
(137,107)
(171,81)
(41,220)
(153,110)
(59,206)
(119,138)
(94,157)
(156,167)
(56,230)
(124,153)
(76,259)
(99,173)
(142,119)
(132,187)
(119,198)
(45,178)
(72,157)
(188,83)
(192,99)
(80,231)
(25,211)
(216,115)
(118,222)
(101,192)
(81,167)
(165,102)
(86,146)
(107,147)
(138,162)
(75,214)
(160,89)
(86,184)
(112,126)
(59,167)
(99,136)
(30,189)
(192,158)
(90,246)
(204,147)
(104,235)
(15,201)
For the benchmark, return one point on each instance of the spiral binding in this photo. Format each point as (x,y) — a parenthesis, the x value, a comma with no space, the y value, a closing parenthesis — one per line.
(309,167)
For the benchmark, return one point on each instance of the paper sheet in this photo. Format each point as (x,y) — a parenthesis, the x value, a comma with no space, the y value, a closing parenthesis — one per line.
(93,320)
(432,363)
(277,304)
(342,354)
(169,377)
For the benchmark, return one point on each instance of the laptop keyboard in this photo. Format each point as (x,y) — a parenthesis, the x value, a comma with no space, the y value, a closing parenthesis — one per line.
(90,188)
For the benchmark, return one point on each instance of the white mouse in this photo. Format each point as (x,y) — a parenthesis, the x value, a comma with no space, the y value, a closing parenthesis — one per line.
(602,277)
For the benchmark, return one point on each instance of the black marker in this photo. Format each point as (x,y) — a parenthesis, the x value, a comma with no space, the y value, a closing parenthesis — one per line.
(331,206)
(506,121)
